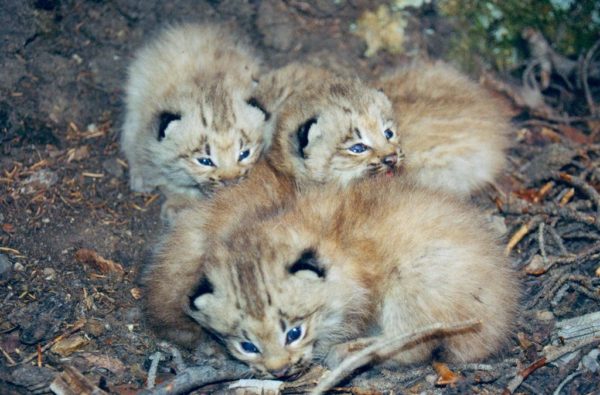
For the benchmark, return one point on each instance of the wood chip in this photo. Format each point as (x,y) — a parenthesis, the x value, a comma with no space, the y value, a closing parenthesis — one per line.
(72,382)
(91,258)
(68,346)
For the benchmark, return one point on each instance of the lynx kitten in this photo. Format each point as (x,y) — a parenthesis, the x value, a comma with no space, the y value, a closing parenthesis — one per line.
(284,285)
(192,124)
(328,128)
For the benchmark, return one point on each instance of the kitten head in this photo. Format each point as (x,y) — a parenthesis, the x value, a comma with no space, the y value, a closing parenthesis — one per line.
(215,137)
(269,299)
(340,131)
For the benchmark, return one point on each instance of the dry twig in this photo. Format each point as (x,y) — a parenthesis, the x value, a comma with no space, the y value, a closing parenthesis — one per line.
(382,348)
(551,354)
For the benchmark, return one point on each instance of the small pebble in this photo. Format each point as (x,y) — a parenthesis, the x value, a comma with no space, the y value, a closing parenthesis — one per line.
(113,167)
(590,361)
(49,273)
(5,266)
(19,267)
(544,315)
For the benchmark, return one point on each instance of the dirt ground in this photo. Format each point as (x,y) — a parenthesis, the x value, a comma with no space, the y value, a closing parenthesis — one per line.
(74,239)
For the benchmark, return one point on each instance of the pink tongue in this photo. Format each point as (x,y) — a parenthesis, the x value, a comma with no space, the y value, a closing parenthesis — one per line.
(389,173)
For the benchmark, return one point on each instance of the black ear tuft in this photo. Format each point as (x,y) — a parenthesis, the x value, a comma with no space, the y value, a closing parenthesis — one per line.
(204,287)
(255,103)
(164,119)
(302,135)
(308,261)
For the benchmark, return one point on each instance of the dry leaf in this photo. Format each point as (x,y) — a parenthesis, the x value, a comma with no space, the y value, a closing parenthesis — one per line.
(446,376)
(90,257)
(105,362)
(8,228)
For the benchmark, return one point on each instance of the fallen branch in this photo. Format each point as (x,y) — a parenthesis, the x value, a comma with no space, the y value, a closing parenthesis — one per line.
(199,376)
(384,348)
(552,354)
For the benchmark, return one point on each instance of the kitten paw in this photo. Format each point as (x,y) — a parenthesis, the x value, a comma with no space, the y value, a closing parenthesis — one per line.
(137,184)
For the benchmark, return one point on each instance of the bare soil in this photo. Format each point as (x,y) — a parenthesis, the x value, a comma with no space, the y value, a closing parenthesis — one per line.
(74,239)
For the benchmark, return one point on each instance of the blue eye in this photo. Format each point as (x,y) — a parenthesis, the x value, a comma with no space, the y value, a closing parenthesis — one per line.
(293,335)
(388,134)
(358,148)
(249,347)
(205,162)
(244,154)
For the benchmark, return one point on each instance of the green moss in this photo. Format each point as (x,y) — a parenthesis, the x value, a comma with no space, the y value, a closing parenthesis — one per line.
(492,29)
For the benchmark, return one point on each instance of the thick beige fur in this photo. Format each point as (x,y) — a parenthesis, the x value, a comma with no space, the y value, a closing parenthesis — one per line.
(204,75)
(345,112)
(386,255)
(453,132)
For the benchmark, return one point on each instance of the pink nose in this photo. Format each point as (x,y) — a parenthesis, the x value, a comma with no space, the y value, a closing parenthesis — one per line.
(280,372)
(390,160)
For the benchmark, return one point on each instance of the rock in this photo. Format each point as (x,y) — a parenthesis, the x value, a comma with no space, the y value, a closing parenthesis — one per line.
(5,267)
(551,158)
(545,315)
(590,361)
(41,179)
(113,167)
(32,377)
(49,273)
(18,267)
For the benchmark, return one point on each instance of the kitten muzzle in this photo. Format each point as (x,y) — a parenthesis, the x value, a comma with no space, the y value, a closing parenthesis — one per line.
(390,160)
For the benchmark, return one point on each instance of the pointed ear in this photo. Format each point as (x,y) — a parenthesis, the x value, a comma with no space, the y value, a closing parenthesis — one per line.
(256,104)
(164,120)
(199,293)
(302,134)
(308,263)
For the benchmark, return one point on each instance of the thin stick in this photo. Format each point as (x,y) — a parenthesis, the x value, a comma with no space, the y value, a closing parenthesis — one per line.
(565,382)
(151,380)
(7,356)
(386,347)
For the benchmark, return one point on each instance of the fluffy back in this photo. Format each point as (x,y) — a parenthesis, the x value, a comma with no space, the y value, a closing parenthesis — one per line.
(454,132)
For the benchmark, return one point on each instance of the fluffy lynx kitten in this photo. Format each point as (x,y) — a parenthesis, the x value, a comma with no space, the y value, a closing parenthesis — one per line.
(328,128)
(453,132)
(191,123)
(284,285)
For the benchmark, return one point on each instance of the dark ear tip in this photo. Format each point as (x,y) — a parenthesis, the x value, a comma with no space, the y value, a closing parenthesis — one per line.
(164,119)
(302,135)
(308,261)
(203,287)
(255,103)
